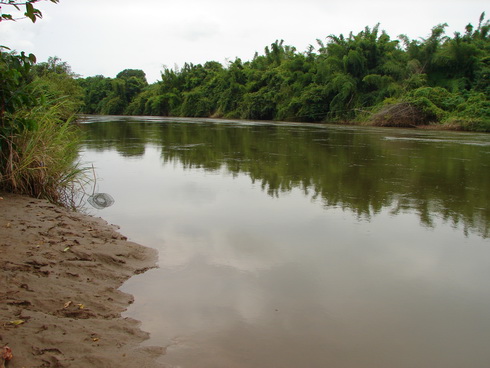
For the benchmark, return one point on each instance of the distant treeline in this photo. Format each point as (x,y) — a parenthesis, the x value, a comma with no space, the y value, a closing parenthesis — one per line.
(362,78)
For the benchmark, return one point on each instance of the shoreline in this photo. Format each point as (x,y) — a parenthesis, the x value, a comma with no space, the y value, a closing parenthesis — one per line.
(444,127)
(60,303)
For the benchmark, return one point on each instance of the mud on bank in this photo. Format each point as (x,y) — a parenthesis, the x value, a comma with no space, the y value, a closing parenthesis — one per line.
(59,300)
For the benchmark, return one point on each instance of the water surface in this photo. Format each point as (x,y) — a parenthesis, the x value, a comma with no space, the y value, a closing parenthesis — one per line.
(289,245)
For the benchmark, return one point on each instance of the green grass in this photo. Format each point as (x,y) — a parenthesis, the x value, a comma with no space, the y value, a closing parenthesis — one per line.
(41,161)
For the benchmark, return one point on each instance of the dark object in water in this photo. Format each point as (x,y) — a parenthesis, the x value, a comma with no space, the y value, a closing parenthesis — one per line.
(101,200)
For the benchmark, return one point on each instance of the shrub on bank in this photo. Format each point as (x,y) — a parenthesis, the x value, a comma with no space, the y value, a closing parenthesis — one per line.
(38,142)
(41,162)
(435,106)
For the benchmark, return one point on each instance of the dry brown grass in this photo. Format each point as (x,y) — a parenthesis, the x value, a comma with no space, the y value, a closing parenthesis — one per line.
(401,114)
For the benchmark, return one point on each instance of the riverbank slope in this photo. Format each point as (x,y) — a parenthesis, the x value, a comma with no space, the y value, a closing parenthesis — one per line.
(59,300)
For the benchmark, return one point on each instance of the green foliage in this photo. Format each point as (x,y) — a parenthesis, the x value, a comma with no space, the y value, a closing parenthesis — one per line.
(41,161)
(133,73)
(112,106)
(55,80)
(54,65)
(96,89)
(311,105)
(14,89)
(434,102)
(112,96)
(30,11)
(38,144)
(196,104)
(258,105)
(344,79)
(474,113)
(464,111)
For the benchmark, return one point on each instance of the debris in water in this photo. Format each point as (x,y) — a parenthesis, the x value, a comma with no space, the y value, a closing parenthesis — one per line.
(100,200)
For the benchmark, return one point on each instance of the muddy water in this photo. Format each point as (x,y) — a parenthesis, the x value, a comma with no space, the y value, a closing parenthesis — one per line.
(285,245)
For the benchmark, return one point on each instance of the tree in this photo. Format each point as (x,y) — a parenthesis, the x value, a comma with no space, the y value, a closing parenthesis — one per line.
(56,80)
(54,65)
(15,68)
(14,94)
(347,78)
(129,73)
(30,11)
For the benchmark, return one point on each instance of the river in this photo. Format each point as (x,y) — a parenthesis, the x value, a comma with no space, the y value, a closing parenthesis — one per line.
(299,245)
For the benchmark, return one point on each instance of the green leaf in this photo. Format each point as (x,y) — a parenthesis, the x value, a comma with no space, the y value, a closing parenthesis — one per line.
(30,12)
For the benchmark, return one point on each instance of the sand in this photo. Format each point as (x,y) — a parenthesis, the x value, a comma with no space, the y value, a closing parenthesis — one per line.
(59,300)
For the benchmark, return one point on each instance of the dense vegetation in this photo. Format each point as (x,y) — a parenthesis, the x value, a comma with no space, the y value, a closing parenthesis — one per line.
(363,78)
(38,143)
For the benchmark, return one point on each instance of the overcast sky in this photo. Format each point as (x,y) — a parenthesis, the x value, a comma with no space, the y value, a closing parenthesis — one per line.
(108,36)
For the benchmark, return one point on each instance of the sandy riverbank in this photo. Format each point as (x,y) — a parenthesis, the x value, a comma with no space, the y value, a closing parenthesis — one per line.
(59,300)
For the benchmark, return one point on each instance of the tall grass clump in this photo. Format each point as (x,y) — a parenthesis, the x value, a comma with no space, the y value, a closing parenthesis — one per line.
(41,161)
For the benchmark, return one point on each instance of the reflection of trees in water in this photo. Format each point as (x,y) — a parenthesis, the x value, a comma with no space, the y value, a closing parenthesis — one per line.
(358,171)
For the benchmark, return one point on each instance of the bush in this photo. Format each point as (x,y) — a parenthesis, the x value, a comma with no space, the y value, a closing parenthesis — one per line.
(41,162)
(38,144)
(112,106)
(196,104)
(258,106)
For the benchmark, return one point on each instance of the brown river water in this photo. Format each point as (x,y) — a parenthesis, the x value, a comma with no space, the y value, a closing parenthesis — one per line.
(289,245)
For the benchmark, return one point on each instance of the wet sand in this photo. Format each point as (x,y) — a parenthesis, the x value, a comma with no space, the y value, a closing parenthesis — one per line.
(59,300)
